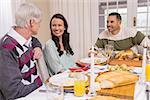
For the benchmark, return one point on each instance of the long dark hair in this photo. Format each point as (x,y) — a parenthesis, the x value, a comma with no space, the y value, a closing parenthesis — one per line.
(65,36)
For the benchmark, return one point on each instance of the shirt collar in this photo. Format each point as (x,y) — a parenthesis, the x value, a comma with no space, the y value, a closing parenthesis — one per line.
(20,39)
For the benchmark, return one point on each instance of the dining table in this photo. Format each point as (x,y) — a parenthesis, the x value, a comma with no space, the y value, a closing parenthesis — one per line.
(124,92)
(40,94)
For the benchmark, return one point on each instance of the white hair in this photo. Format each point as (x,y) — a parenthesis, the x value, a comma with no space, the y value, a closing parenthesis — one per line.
(27,12)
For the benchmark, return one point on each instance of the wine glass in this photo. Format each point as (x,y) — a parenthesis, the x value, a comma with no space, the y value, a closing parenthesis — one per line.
(109,50)
(54,92)
(148,53)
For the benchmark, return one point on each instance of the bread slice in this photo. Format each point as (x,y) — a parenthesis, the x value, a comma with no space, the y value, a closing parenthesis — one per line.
(116,78)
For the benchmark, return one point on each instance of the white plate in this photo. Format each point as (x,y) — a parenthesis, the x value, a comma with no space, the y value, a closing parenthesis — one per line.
(85,60)
(137,70)
(88,60)
(63,79)
(98,69)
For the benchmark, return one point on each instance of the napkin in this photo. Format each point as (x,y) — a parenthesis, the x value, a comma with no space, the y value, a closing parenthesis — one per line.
(81,67)
(72,69)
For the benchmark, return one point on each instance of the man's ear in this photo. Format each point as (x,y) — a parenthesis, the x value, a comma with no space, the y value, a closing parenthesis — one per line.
(27,24)
(31,22)
(120,21)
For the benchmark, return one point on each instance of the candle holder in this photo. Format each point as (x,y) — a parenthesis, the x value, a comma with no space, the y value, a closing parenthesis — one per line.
(147,90)
(144,61)
(92,91)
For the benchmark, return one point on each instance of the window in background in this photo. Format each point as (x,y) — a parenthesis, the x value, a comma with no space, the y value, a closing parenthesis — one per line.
(7,11)
(108,6)
(143,16)
(140,9)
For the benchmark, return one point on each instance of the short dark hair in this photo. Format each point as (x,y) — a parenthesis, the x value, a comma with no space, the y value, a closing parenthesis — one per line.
(118,16)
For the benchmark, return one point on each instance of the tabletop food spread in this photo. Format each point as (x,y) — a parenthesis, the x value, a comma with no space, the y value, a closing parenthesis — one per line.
(114,77)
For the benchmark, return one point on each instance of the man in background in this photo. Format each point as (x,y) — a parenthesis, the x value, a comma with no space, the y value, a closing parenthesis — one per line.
(119,37)
(18,52)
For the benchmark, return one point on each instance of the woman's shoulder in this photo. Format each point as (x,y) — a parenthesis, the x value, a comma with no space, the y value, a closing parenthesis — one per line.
(49,42)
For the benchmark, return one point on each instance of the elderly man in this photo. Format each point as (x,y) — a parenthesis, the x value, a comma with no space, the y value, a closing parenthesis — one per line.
(120,37)
(18,51)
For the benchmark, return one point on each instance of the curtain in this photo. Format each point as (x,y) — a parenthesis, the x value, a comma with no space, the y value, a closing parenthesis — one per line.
(82,18)
(7,10)
(5,16)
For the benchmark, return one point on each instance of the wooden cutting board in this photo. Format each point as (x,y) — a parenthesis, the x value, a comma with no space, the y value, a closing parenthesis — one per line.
(99,97)
(127,62)
(124,92)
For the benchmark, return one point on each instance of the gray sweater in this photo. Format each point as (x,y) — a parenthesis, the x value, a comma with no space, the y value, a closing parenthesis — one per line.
(11,85)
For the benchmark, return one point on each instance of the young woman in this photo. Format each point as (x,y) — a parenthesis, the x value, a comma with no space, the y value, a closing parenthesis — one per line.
(57,51)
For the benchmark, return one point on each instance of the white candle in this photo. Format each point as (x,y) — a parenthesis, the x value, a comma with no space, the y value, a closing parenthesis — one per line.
(92,57)
(144,60)
(92,77)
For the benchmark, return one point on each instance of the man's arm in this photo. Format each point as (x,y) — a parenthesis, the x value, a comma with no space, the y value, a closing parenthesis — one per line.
(137,40)
(99,43)
(11,79)
(36,43)
(37,48)
(141,39)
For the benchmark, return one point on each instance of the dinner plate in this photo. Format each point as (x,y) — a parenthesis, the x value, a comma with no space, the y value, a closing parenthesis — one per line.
(85,60)
(137,70)
(63,79)
(96,60)
(98,68)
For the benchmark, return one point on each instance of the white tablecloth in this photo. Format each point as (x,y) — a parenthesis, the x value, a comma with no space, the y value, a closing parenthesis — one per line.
(36,95)
(139,92)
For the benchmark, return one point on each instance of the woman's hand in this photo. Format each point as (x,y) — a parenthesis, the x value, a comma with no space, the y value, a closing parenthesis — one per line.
(37,53)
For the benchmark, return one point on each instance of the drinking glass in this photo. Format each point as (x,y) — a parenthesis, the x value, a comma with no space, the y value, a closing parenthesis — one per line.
(79,84)
(148,53)
(109,50)
(147,72)
(54,92)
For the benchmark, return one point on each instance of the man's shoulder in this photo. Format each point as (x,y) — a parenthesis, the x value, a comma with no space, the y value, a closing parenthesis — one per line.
(103,34)
(4,51)
(129,29)
(129,32)
(8,42)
